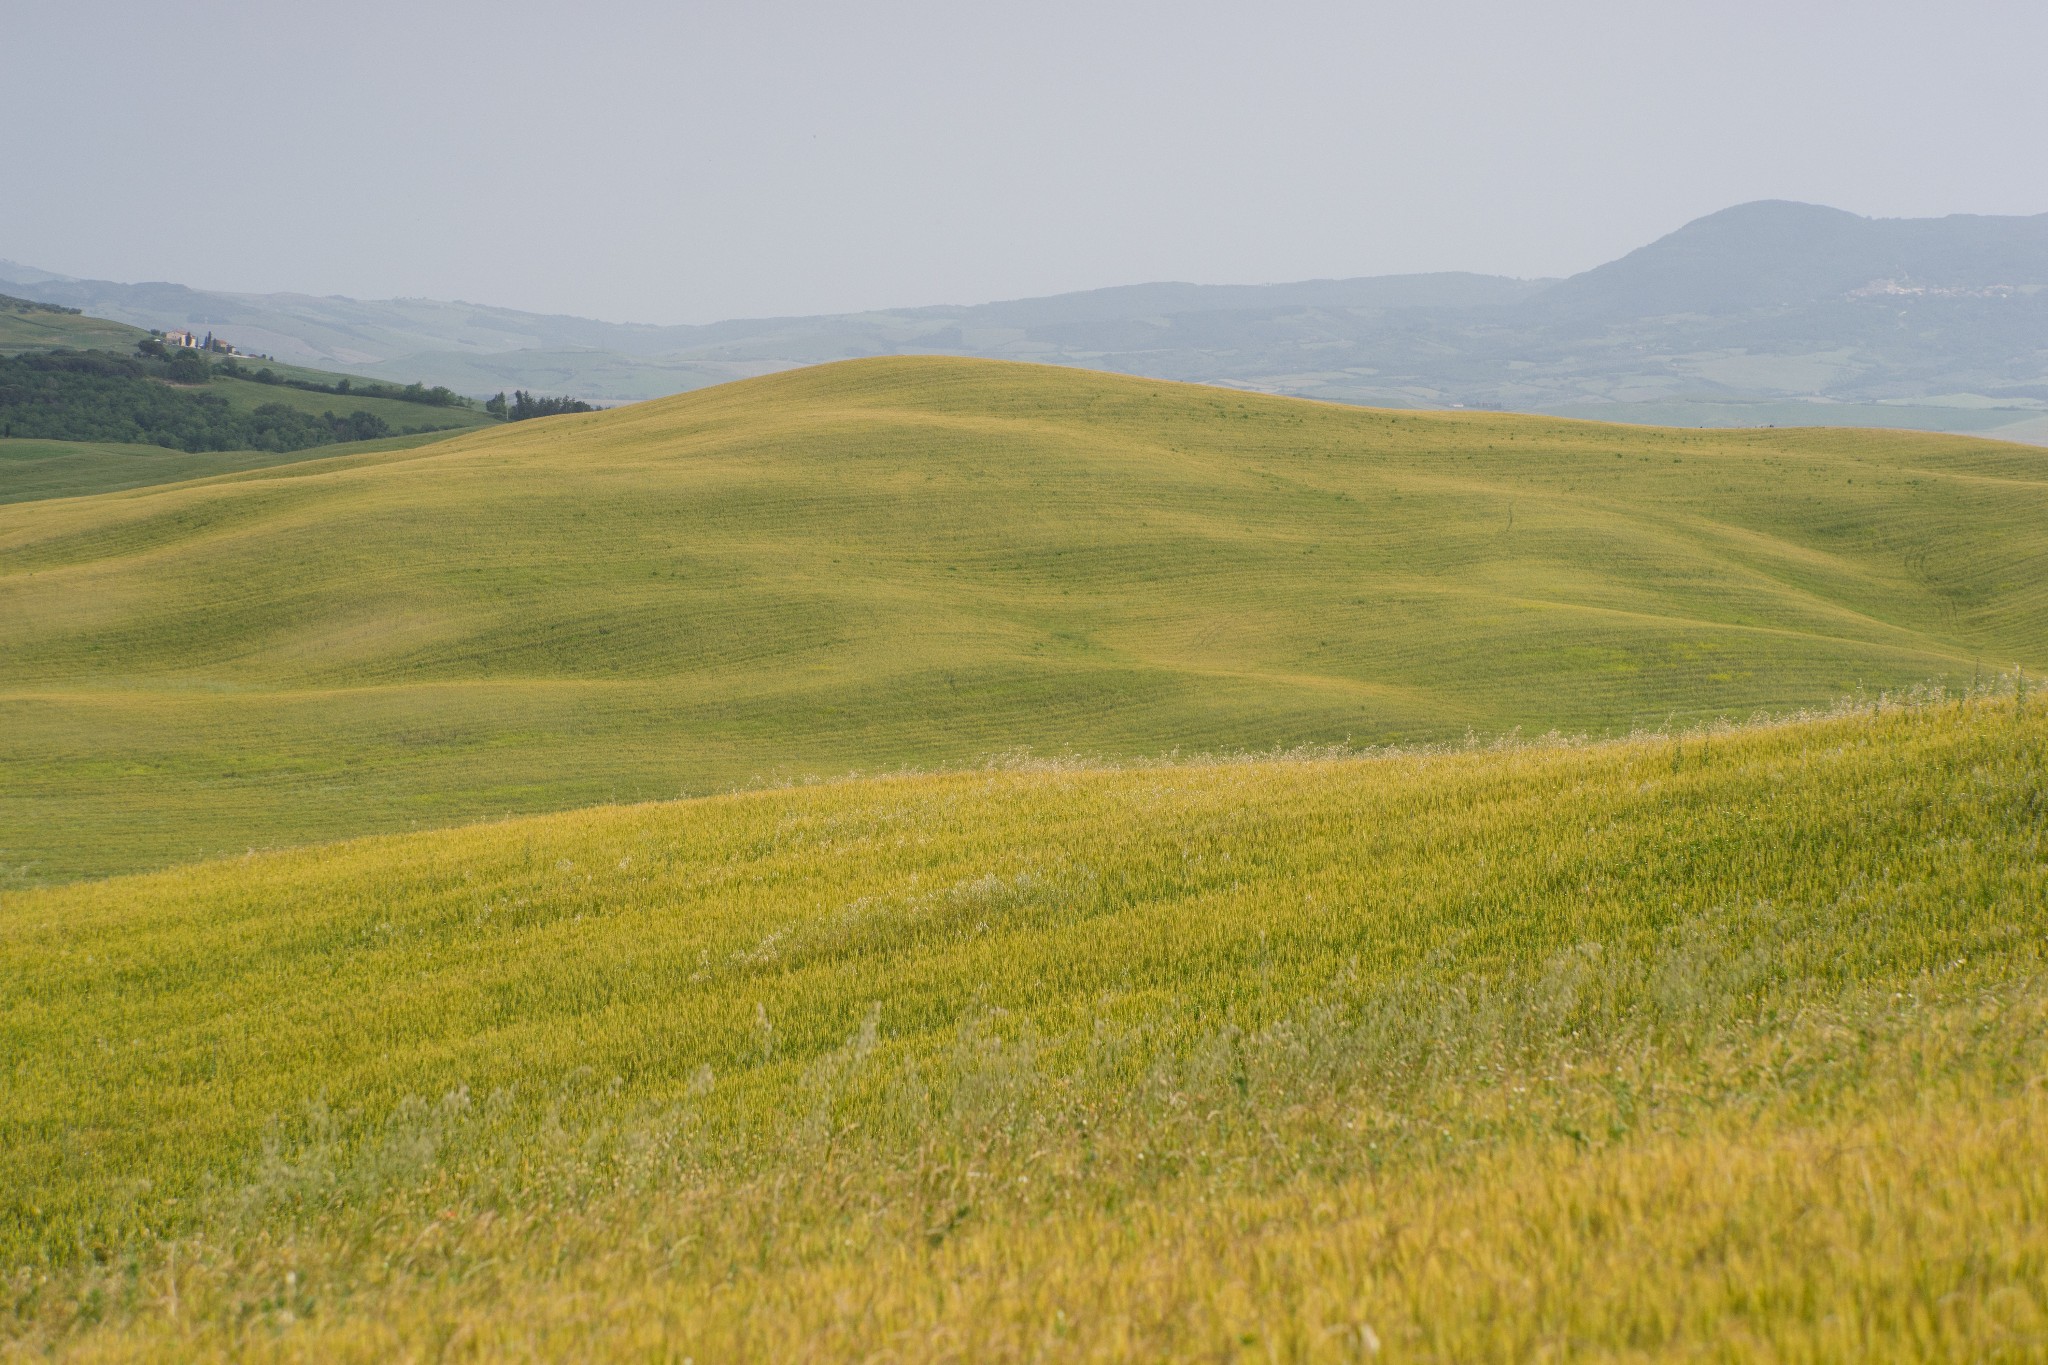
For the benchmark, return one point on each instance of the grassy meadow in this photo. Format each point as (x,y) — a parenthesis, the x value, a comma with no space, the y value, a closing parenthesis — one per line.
(31,471)
(1719,1045)
(919,562)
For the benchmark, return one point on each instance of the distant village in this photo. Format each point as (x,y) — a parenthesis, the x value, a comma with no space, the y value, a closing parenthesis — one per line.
(192,341)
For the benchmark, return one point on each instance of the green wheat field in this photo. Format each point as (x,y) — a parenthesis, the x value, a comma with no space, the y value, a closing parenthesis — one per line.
(1164,873)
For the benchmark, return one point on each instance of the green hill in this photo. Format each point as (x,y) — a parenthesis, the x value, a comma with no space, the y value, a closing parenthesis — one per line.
(75,456)
(91,406)
(923,562)
(178,400)
(26,326)
(1723,1046)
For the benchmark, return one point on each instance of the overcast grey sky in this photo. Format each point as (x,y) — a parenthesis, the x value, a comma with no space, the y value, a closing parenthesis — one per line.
(677,162)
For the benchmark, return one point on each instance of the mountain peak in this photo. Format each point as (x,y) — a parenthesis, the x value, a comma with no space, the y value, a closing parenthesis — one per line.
(1777,253)
(1766,211)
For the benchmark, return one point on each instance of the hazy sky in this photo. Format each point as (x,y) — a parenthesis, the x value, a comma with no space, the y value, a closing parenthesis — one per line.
(675,162)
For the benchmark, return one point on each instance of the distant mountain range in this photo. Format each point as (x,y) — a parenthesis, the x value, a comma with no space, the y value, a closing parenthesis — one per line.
(1766,312)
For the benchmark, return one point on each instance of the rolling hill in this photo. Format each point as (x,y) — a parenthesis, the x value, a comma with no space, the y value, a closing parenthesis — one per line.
(927,561)
(1721,1046)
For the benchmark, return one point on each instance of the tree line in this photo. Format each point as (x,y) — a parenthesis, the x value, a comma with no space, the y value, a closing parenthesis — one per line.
(524,405)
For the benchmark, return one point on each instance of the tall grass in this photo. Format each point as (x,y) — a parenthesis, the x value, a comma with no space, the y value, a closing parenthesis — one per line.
(1726,1045)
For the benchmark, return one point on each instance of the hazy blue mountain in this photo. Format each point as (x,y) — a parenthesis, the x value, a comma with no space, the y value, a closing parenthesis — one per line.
(1775,254)
(349,332)
(1765,312)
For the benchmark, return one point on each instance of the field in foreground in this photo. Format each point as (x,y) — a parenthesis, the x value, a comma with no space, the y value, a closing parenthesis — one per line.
(924,562)
(1719,1046)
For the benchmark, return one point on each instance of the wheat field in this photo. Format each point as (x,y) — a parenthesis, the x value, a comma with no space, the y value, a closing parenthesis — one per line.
(1718,1044)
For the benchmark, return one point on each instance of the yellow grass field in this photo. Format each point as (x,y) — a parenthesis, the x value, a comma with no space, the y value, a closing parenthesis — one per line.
(1721,1045)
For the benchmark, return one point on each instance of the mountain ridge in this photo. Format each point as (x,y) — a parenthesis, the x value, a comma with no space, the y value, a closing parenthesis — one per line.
(1767,312)
(111,299)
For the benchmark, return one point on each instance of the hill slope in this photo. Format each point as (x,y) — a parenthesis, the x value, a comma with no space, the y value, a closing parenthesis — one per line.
(1728,1047)
(925,561)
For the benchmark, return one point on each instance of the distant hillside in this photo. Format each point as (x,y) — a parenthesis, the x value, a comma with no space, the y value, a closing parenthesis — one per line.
(929,561)
(1768,313)
(28,325)
(88,405)
(177,399)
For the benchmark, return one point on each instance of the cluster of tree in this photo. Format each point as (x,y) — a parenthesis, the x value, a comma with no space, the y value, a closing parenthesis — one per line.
(525,405)
(183,367)
(94,396)
(179,364)
(11,304)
